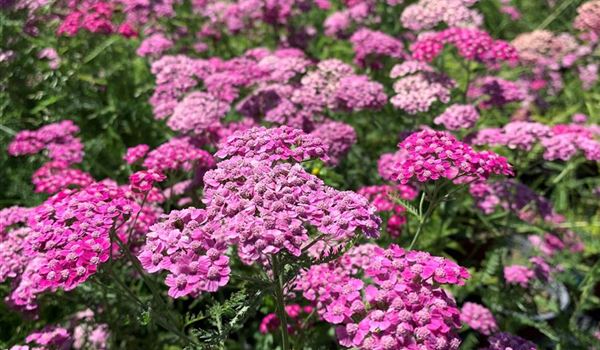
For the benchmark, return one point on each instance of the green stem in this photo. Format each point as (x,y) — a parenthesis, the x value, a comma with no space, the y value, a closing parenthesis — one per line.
(279,302)
(424,217)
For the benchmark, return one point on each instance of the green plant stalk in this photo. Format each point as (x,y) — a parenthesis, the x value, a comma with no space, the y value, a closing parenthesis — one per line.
(279,302)
(423,218)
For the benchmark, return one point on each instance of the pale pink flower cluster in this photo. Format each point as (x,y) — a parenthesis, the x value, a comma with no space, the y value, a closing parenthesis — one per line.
(514,135)
(588,16)
(402,306)
(432,155)
(458,117)
(427,14)
(518,274)
(13,233)
(371,46)
(472,44)
(182,243)
(550,244)
(50,337)
(505,341)
(338,138)
(479,318)
(382,197)
(419,87)
(51,55)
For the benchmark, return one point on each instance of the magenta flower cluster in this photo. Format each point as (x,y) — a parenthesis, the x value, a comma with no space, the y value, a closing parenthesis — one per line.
(295,315)
(371,46)
(402,305)
(182,243)
(518,274)
(432,155)
(472,44)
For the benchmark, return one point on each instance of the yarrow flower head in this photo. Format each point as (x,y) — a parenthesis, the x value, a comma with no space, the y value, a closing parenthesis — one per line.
(56,175)
(588,16)
(382,197)
(198,113)
(434,154)
(458,117)
(178,154)
(70,237)
(265,207)
(407,306)
(338,138)
(472,44)
(518,274)
(371,46)
(426,14)
(479,318)
(419,87)
(143,181)
(134,154)
(273,144)
(182,243)
(57,139)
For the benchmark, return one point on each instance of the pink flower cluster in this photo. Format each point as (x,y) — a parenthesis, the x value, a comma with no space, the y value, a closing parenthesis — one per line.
(265,208)
(458,117)
(562,141)
(183,244)
(419,87)
(518,274)
(178,154)
(198,113)
(62,147)
(382,197)
(70,237)
(504,341)
(56,139)
(435,154)
(472,44)
(402,305)
(514,197)
(272,145)
(588,17)
(143,181)
(154,45)
(338,138)
(13,259)
(479,318)
(295,318)
(94,17)
(550,244)
(491,91)
(371,46)
(54,176)
(339,23)
(136,153)
(427,14)
(50,337)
